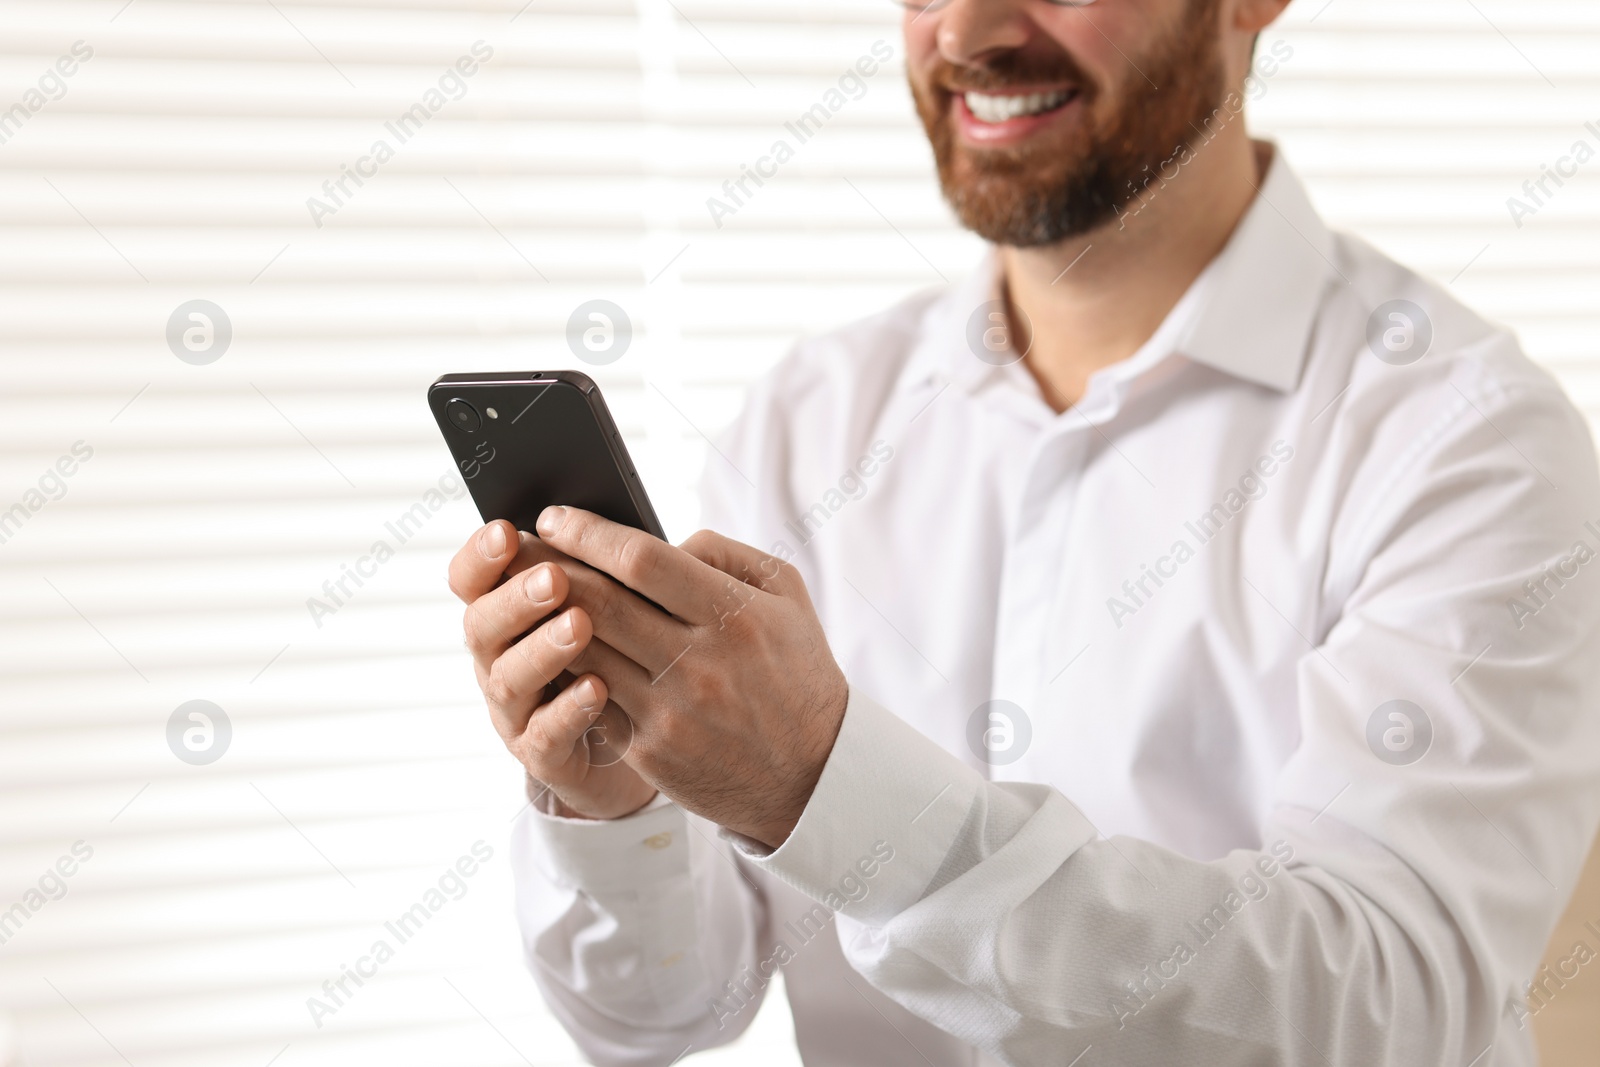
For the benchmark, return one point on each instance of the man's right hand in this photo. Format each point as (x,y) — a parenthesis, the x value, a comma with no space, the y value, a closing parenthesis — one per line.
(572,741)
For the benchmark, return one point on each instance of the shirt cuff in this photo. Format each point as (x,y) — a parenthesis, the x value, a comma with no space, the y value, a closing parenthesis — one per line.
(880,823)
(600,855)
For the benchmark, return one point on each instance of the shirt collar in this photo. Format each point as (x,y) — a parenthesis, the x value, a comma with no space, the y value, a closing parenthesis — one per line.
(1256,323)
(1249,313)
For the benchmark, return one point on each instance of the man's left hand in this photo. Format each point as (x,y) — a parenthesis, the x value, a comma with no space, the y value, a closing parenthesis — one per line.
(735,697)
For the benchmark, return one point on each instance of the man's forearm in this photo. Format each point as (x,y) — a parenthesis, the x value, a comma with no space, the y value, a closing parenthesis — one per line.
(1004,920)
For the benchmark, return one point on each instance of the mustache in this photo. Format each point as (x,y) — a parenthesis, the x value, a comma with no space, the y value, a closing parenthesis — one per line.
(1011,70)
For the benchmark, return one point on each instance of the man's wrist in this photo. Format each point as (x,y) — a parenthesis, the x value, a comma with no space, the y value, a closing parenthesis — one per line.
(546,800)
(561,810)
(889,801)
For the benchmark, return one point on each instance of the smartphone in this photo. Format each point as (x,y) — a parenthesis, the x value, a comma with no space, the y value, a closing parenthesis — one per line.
(525,440)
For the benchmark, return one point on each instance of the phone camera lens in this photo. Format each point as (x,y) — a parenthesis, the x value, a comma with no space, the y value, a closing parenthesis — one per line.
(463,416)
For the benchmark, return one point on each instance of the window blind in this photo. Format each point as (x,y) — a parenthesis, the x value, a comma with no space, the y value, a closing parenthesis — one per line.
(254,744)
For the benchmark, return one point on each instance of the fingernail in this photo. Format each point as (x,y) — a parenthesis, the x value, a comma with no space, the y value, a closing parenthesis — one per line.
(550,520)
(541,583)
(587,697)
(562,630)
(492,542)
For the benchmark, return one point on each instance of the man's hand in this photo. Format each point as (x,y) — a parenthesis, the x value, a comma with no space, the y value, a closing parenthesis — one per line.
(572,740)
(734,695)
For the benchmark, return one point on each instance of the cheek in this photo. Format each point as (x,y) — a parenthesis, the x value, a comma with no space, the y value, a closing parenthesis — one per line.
(1106,43)
(1080,32)
(920,50)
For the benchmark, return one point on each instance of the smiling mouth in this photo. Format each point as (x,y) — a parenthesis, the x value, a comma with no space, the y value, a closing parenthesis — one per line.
(996,108)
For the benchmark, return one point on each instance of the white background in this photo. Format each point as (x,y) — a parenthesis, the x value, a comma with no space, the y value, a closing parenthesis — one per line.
(178,563)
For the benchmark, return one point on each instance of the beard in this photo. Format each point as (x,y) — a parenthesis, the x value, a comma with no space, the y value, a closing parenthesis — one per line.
(1074,182)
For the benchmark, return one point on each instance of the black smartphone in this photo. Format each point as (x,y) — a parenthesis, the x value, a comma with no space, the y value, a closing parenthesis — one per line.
(525,440)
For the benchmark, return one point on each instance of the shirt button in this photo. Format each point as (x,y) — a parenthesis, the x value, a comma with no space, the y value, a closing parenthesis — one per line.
(659,841)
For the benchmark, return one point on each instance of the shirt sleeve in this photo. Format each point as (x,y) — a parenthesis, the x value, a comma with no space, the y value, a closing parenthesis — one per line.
(642,933)
(1407,874)
(645,935)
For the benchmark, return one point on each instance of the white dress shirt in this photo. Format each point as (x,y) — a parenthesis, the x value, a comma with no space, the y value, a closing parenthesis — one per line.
(1291,629)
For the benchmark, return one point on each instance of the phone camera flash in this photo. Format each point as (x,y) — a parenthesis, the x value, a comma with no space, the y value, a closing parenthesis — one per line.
(491,412)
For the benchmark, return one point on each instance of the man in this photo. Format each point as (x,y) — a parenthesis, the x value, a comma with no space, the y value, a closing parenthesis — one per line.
(1171,646)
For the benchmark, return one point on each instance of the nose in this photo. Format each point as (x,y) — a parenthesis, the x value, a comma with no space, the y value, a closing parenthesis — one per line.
(970,31)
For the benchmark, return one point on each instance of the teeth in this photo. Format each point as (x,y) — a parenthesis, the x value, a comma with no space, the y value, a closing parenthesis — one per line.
(988,108)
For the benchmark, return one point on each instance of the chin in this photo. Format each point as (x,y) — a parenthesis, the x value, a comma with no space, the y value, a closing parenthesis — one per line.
(1029,206)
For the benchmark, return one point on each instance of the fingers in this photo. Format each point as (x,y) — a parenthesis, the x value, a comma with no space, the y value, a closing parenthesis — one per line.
(479,564)
(648,565)
(531,552)
(626,621)
(621,618)
(515,682)
(628,683)
(485,559)
(750,565)
(556,728)
(494,621)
